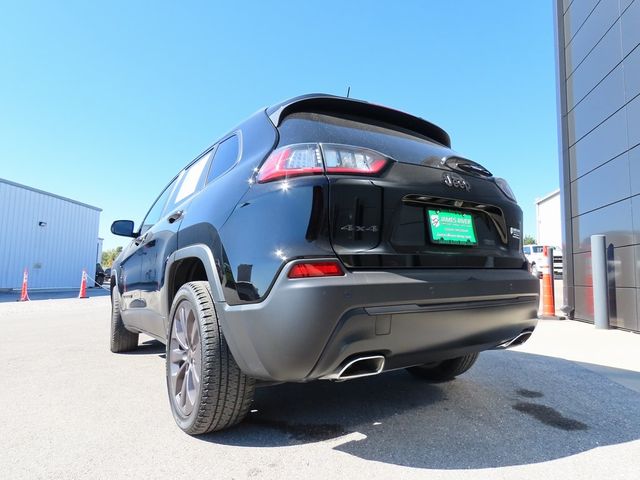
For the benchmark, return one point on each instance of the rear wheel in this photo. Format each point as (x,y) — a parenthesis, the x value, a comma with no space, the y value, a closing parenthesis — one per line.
(207,389)
(445,370)
(122,340)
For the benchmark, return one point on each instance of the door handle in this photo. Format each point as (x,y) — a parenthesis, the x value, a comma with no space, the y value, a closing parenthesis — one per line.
(175,216)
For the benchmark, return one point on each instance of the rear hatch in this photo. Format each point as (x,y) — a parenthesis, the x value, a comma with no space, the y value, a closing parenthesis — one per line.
(427,208)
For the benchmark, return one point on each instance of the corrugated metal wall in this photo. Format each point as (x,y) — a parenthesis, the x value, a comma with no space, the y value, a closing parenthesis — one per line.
(56,253)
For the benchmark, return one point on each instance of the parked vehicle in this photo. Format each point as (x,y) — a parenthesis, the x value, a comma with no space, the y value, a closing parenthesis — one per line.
(324,238)
(537,257)
(100,276)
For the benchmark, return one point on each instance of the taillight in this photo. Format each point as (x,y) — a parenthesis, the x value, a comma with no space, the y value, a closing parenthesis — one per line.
(316,269)
(313,159)
(343,159)
(291,161)
(505,188)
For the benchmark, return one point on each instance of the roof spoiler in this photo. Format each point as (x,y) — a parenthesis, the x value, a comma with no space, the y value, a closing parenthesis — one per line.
(319,103)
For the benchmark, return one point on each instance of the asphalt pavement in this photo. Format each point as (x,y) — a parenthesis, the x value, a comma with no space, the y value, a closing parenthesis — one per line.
(564,405)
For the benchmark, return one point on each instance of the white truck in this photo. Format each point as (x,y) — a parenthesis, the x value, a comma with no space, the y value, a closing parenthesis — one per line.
(536,255)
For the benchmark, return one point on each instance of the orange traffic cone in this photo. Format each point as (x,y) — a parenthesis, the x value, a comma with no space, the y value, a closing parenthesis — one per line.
(24,295)
(83,286)
(548,297)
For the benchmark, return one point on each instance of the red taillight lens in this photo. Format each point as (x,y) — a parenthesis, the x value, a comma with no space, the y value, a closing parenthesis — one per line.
(291,161)
(316,269)
(313,159)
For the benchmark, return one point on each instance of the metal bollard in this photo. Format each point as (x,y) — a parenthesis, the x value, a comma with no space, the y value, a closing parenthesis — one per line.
(600,281)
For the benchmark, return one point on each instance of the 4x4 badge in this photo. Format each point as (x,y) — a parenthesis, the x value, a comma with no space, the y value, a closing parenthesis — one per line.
(455,181)
(359,228)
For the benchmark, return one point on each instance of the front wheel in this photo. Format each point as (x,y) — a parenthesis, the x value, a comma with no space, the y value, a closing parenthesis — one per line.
(445,370)
(122,340)
(207,389)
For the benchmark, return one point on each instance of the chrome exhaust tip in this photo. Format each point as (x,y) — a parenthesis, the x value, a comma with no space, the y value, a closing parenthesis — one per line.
(517,340)
(357,368)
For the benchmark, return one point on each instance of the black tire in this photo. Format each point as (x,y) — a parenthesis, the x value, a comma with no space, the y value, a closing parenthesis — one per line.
(122,340)
(445,370)
(224,393)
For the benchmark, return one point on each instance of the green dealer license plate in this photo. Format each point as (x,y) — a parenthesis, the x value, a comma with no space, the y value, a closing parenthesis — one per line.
(451,228)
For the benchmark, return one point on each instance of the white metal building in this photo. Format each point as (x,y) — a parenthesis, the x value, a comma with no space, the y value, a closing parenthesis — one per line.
(53,237)
(548,220)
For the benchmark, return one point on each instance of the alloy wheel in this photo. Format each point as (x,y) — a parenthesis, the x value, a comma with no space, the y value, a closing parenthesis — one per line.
(185,358)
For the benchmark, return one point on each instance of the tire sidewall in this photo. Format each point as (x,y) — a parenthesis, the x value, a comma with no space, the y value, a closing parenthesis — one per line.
(185,422)
(115,310)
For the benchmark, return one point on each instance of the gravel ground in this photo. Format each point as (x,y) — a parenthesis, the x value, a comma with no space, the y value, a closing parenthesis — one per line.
(564,405)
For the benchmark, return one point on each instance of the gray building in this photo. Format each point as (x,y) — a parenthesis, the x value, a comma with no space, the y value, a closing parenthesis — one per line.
(598,66)
(54,238)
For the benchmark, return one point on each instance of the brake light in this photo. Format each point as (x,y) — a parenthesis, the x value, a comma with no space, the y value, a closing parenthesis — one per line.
(316,269)
(314,159)
(291,161)
(506,189)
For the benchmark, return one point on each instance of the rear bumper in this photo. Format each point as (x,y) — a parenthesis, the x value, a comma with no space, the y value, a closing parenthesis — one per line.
(307,328)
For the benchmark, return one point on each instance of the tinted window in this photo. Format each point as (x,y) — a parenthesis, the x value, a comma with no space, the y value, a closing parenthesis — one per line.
(190,180)
(527,250)
(224,158)
(537,249)
(398,144)
(155,212)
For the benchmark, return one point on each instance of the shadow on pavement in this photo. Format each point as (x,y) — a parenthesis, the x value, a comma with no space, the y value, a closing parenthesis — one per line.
(511,408)
(52,294)
(149,347)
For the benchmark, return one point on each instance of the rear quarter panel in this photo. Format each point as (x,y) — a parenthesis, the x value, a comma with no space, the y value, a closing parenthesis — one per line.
(236,230)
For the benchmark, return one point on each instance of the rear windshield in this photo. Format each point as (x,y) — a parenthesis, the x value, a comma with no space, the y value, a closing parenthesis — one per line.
(398,144)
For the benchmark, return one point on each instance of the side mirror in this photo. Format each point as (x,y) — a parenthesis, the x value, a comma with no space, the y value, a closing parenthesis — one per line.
(124,228)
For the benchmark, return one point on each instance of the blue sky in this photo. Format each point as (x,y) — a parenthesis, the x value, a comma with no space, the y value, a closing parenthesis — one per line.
(104,102)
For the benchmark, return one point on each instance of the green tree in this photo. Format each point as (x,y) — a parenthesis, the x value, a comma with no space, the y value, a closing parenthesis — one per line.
(529,240)
(108,256)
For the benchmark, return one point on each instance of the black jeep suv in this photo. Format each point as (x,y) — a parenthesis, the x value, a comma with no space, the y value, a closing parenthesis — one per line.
(323,238)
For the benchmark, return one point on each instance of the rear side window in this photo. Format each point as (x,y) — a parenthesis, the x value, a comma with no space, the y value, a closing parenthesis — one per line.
(191,179)
(225,157)
(527,250)
(319,127)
